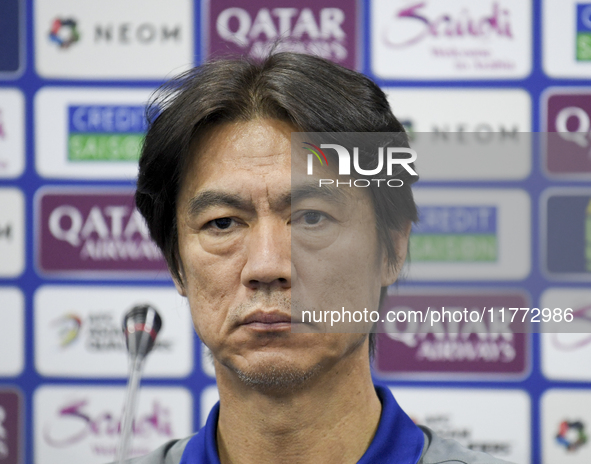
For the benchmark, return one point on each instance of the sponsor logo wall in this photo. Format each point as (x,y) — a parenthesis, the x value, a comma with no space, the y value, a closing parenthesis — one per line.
(11,59)
(12,133)
(467,134)
(12,331)
(89,133)
(81,423)
(12,232)
(86,40)
(471,234)
(450,349)
(566,38)
(471,417)
(78,331)
(11,426)
(327,28)
(496,97)
(451,40)
(566,418)
(567,121)
(89,233)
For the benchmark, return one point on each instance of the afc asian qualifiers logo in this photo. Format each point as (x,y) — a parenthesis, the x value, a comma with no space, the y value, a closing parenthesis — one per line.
(64,32)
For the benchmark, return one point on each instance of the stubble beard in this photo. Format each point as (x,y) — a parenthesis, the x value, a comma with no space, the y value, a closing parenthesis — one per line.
(268,376)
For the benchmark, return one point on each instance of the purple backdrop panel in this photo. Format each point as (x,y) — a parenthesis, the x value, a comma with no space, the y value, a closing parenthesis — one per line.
(458,348)
(83,233)
(328,28)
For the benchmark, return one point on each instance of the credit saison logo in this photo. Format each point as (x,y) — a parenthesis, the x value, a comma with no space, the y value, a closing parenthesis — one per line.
(105,132)
(387,161)
(64,32)
(419,25)
(583,44)
(455,234)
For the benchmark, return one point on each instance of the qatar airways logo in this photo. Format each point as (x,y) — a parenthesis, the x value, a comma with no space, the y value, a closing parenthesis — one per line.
(94,231)
(413,24)
(252,27)
(385,159)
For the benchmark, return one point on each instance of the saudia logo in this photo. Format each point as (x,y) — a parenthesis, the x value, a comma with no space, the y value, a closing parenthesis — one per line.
(575,341)
(411,25)
(79,424)
(105,132)
(344,163)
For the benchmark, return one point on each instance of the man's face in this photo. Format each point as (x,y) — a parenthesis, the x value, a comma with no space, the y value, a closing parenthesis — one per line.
(249,251)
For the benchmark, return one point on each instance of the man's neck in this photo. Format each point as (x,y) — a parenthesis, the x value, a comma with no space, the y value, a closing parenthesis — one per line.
(333,419)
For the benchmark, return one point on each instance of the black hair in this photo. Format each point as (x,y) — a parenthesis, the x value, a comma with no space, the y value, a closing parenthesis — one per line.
(310,93)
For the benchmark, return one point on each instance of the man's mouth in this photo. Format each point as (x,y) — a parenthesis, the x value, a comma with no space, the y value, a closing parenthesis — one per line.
(261,320)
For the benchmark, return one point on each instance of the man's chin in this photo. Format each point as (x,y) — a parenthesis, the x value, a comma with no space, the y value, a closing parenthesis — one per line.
(270,375)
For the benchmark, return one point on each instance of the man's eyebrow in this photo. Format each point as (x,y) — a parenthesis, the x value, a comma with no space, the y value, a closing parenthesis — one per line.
(211,198)
(327,192)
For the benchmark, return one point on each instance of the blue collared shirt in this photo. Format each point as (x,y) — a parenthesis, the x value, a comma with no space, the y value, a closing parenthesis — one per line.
(397,441)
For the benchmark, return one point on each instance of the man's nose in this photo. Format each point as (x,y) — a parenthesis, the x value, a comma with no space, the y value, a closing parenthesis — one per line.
(268,249)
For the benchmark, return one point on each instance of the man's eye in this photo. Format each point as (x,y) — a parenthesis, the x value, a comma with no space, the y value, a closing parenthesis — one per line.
(222,223)
(312,217)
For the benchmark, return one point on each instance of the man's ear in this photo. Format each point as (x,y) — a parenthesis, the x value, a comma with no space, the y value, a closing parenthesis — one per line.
(400,238)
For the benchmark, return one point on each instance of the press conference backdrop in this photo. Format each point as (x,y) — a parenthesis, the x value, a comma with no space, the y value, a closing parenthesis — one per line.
(75,255)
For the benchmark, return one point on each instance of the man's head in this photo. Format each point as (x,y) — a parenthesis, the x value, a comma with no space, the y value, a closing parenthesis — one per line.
(214,187)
